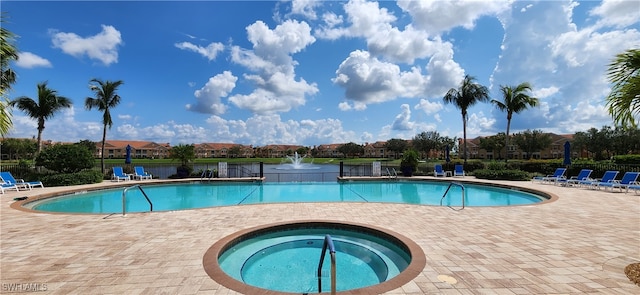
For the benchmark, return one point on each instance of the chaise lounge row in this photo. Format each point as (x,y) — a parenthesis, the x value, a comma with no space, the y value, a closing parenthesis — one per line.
(628,182)
(8,182)
(138,173)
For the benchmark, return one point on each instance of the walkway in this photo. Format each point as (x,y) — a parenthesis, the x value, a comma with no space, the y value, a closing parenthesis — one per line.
(578,244)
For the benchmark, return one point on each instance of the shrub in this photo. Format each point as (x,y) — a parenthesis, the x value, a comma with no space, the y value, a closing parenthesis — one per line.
(77,178)
(67,158)
(627,159)
(502,174)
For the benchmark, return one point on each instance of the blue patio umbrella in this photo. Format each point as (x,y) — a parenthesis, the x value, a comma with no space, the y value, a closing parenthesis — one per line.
(567,154)
(446,154)
(127,159)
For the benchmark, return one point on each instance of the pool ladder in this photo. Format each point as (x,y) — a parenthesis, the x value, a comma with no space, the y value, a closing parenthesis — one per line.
(124,198)
(328,245)
(393,173)
(449,187)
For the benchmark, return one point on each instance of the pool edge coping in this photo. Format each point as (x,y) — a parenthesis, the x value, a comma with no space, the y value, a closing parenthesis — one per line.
(213,270)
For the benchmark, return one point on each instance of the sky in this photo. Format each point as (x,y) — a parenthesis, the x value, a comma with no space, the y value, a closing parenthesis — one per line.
(315,72)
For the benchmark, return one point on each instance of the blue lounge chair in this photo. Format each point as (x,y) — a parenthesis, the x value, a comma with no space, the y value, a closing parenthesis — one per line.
(583,175)
(140,174)
(8,178)
(118,174)
(8,186)
(437,171)
(607,177)
(557,175)
(459,171)
(627,179)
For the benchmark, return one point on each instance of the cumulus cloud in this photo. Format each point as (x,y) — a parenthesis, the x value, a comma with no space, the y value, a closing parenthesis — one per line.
(616,13)
(210,52)
(209,97)
(429,107)
(277,89)
(102,46)
(402,120)
(368,80)
(29,60)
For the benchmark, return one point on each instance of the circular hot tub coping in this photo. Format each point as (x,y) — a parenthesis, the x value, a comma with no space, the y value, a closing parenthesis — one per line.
(212,267)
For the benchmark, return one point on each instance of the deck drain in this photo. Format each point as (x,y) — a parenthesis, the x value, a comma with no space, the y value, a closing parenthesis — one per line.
(447,279)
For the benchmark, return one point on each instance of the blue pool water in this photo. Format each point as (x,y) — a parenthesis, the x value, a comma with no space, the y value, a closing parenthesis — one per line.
(287,261)
(169,197)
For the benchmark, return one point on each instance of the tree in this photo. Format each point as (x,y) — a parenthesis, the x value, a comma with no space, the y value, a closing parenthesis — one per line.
(106,98)
(624,100)
(90,145)
(464,97)
(66,158)
(351,149)
(185,153)
(234,151)
(19,148)
(49,102)
(494,144)
(532,141)
(8,53)
(425,142)
(514,100)
(396,145)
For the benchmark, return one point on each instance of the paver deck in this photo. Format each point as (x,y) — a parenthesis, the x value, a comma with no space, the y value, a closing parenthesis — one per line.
(577,244)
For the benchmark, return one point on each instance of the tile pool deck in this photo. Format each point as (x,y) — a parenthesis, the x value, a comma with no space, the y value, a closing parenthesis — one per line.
(577,244)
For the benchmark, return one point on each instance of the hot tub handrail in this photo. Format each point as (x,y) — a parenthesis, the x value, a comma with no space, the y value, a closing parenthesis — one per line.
(124,194)
(449,187)
(328,243)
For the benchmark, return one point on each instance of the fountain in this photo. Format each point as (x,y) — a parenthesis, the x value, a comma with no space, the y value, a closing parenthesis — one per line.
(295,162)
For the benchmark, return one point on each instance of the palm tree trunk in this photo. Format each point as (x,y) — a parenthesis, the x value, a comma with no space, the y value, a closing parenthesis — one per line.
(464,135)
(506,142)
(104,138)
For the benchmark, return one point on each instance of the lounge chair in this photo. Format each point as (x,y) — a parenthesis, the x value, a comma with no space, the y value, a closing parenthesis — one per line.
(634,186)
(627,179)
(8,186)
(140,174)
(437,171)
(8,178)
(608,176)
(458,171)
(575,180)
(118,174)
(557,175)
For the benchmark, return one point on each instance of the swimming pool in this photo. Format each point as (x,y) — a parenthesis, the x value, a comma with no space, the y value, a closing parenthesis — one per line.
(182,196)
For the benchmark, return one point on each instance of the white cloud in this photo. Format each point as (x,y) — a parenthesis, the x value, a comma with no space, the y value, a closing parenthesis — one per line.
(305,8)
(368,80)
(429,107)
(436,17)
(617,13)
(210,52)
(277,89)
(102,46)
(402,120)
(29,60)
(209,97)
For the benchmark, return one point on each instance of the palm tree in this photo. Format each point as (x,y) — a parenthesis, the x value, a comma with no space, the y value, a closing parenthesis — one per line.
(49,102)
(8,52)
(467,95)
(515,100)
(624,100)
(106,98)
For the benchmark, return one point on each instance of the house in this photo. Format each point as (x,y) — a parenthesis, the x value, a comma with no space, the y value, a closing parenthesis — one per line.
(139,149)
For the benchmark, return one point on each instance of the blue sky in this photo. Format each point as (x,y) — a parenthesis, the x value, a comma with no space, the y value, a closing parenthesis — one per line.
(315,72)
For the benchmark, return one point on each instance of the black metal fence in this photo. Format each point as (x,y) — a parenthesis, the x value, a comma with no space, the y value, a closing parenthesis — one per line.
(164,171)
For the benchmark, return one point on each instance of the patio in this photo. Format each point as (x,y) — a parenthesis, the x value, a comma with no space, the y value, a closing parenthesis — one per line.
(577,244)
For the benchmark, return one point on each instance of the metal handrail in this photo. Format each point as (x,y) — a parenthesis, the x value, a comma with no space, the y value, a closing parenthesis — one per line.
(124,194)
(328,242)
(449,187)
